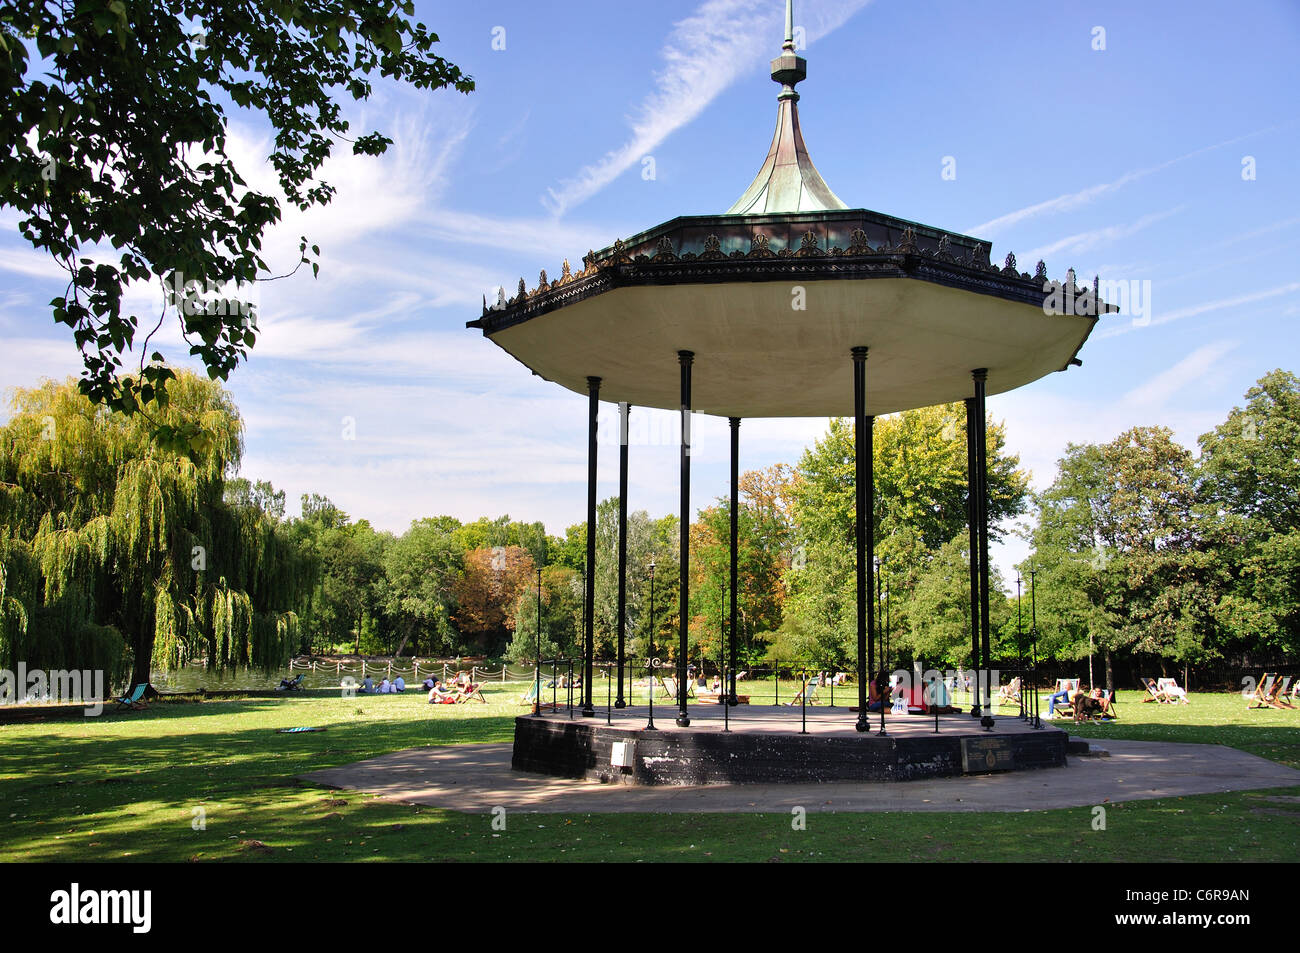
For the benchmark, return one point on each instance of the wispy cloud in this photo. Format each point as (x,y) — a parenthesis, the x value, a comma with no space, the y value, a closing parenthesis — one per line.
(1073,200)
(703,56)
(1192,368)
(1083,241)
(1194,310)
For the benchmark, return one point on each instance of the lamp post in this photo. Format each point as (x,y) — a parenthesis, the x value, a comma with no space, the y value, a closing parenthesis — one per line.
(537,689)
(650,653)
(1033,639)
(1020,646)
(880,608)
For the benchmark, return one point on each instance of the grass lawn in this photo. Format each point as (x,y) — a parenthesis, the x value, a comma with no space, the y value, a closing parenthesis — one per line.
(128,786)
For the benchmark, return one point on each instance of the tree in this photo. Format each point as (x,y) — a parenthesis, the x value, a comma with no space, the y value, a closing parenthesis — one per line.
(761,558)
(260,496)
(1249,492)
(420,570)
(351,577)
(488,591)
(117,553)
(939,623)
(920,477)
(1119,553)
(561,613)
(113,128)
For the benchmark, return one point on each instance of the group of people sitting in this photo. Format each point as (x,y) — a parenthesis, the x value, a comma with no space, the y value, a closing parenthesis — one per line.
(385,687)
(459,689)
(1084,702)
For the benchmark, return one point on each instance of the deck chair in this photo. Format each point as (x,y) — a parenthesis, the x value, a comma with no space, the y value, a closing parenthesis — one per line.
(1264,694)
(530,697)
(1091,709)
(809,689)
(1171,690)
(1154,692)
(669,685)
(1271,693)
(1287,694)
(134,700)
(1010,692)
(470,692)
(1066,707)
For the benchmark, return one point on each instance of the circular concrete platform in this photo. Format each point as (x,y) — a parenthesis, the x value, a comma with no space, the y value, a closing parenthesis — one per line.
(477,778)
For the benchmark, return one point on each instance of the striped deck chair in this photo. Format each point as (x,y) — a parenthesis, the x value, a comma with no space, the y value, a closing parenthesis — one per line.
(1172,691)
(470,692)
(1009,694)
(1066,707)
(1290,690)
(1264,694)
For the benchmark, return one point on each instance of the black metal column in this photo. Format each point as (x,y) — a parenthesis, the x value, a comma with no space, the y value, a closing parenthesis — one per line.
(864,482)
(982,496)
(735,547)
(624,410)
(972,522)
(589,603)
(686,359)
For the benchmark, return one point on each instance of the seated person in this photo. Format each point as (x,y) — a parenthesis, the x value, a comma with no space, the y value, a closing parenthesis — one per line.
(290,683)
(900,698)
(1104,701)
(1060,698)
(385,686)
(367,686)
(428,683)
(399,684)
(1172,691)
(1086,703)
(873,695)
(1154,691)
(1010,692)
(439,693)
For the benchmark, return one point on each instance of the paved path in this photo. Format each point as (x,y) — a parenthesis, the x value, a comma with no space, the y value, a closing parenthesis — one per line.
(477,778)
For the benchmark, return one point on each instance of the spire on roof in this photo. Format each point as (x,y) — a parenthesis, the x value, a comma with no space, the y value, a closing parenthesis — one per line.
(788,180)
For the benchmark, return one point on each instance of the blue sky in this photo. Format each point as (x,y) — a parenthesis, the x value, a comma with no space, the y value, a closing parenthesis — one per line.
(1125,161)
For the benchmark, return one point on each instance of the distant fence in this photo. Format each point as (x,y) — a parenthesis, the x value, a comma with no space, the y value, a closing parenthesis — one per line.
(321,673)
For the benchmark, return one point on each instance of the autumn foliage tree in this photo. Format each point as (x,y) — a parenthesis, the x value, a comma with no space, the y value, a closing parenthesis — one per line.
(488,592)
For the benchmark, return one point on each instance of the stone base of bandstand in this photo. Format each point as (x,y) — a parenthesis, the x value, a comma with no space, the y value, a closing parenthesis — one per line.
(752,744)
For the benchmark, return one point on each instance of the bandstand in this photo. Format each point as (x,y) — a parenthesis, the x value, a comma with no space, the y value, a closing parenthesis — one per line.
(789,304)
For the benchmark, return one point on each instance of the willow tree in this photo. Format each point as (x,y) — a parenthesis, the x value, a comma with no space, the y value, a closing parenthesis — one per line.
(117,552)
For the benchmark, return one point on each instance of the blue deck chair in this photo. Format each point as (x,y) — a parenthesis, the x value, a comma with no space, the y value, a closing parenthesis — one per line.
(134,700)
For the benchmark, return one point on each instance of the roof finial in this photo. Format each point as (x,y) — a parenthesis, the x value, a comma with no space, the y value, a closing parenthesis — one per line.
(789,68)
(788,181)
